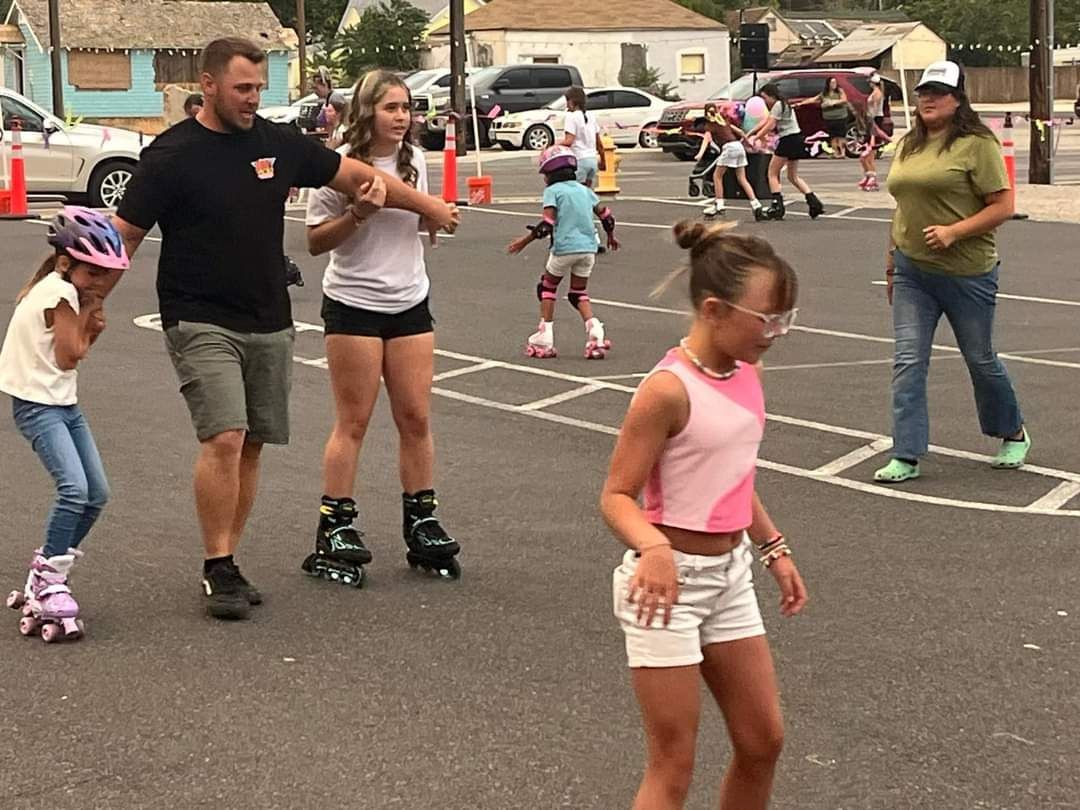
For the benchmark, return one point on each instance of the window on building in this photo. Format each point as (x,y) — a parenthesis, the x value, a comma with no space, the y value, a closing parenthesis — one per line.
(692,65)
(177,67)
(545,60)
(99,70)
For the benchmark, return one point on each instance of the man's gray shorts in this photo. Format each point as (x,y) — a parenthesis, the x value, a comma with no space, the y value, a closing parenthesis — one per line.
(234,380)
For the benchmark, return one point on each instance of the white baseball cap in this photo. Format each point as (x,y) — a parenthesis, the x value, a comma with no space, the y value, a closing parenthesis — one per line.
(945,74)
(875,79)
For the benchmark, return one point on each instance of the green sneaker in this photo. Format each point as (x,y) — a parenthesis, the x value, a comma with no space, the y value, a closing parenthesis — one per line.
(897,471)
(1012,453)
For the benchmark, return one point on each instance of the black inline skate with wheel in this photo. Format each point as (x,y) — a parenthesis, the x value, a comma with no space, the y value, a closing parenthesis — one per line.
(340,554)
(431,549)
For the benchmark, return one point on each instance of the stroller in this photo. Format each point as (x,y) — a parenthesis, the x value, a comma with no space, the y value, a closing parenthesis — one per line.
(701,176)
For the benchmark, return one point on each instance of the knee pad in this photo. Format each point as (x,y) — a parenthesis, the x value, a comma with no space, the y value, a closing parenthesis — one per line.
(545,290)
(576,297)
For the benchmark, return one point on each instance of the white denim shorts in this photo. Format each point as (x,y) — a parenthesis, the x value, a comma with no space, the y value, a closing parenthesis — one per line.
(733,155)
(716,603)
(576,264)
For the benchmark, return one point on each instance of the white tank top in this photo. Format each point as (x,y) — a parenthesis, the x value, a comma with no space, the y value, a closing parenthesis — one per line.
(28,368)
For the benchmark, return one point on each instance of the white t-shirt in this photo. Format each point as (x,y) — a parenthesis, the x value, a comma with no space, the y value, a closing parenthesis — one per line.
(380,267)
(584,131)
(28,367)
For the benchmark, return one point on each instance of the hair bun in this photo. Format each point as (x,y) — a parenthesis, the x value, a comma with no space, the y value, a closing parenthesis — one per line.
(690,233)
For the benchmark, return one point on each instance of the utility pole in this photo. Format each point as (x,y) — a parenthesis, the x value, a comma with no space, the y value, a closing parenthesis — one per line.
(54,58)
(1041,87)
(301,29)
(457,70)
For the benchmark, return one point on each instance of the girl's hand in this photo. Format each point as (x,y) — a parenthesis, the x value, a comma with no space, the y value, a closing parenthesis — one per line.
(939,237)
(655,586)
(433,226)
(371,199)
(518,245)
(792,589)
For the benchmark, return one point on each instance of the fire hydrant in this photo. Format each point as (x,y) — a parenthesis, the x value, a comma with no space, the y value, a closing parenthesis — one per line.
(606,182)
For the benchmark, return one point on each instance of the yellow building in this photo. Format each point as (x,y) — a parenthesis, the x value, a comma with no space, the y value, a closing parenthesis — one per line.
(438,12)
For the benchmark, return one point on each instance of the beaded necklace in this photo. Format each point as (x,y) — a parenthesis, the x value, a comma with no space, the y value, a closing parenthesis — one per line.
(708,372)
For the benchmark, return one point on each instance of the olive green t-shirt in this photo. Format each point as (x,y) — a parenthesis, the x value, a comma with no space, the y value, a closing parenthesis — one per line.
(941,188)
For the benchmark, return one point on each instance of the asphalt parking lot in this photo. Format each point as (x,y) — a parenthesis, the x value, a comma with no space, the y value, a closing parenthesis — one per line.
(934,667)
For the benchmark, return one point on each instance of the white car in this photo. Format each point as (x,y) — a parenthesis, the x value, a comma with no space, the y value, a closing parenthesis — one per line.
(627,114)
(78,159)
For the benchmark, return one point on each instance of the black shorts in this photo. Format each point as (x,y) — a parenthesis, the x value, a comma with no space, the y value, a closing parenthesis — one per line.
(792,147)
(836,129)
(341,319)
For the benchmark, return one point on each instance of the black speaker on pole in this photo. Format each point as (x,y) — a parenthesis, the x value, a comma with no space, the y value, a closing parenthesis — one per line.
(754,46)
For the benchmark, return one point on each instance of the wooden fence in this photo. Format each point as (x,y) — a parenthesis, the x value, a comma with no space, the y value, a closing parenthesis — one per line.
(1002,85)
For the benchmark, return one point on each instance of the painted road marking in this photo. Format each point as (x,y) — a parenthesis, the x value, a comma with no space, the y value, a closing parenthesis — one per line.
(1018,357)
(1049,504)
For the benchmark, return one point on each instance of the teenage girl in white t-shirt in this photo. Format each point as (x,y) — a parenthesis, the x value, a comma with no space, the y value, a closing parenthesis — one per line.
(375,307)
(58,316)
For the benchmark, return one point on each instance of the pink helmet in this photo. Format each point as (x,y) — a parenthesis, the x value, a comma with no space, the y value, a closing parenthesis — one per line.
(557,157)
(88,236)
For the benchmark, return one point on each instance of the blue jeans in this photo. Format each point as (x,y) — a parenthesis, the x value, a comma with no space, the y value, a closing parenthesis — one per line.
(61,437)
(919,300)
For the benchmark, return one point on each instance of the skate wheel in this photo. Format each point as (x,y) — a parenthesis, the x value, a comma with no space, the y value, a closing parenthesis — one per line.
(80,627)
(50,633)
(27,625)
(15,600)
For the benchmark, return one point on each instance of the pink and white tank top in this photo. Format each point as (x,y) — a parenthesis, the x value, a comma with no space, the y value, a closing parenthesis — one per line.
(704,479)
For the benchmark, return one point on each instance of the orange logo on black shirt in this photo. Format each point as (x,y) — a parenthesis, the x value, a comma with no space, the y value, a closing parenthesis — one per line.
(264,168)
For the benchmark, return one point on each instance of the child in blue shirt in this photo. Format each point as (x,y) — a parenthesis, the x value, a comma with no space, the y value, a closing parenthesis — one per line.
(568,219)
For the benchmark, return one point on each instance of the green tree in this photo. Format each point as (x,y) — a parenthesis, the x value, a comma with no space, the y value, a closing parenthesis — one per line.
(321,16)
(387,36)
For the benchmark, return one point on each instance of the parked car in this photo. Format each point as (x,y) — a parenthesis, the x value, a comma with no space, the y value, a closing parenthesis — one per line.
(303,110)
(627,114)
(81,159)
(506,89)
(680,120)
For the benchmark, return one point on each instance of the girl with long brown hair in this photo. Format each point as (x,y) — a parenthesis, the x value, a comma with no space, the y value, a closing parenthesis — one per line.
(378,324)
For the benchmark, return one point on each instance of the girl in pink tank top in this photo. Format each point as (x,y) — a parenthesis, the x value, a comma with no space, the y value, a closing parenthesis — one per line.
(683,593)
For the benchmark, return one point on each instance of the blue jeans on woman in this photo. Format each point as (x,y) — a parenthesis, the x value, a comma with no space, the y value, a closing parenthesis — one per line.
(62,440)
(919,300)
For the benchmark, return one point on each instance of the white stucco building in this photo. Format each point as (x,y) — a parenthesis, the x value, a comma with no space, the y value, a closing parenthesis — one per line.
(690,51)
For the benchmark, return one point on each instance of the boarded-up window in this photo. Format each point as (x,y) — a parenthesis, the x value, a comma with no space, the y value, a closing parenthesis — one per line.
(692,64)
(102,70)
(176,68)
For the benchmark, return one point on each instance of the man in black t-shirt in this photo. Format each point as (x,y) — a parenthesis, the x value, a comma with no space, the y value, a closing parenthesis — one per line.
(216,185)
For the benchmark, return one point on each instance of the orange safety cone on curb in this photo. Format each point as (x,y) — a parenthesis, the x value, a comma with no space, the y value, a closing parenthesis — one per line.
(449,168)
(1008,151)
(17,203)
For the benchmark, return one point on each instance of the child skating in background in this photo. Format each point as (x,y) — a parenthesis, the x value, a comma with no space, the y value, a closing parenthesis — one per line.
(684,593)
(569,207)
(58,316)
(726,139)
(873,138)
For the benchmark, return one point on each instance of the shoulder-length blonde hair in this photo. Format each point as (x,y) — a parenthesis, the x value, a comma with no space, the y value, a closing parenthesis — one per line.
(360,126)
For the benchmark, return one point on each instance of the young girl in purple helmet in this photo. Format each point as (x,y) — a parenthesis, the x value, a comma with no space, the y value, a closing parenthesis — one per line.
(57,318)
(569,207)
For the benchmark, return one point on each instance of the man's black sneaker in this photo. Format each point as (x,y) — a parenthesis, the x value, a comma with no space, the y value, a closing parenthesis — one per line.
(225,595)
(251,593)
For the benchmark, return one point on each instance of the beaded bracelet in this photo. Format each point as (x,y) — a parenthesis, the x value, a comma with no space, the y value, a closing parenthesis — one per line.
(771,543)
(780,551)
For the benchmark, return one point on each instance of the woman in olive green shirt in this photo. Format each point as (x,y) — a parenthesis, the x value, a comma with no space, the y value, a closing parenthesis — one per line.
(951,193)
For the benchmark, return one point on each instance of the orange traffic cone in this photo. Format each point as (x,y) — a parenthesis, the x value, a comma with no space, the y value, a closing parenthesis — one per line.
(17,207)
(1008,151)
(449,169)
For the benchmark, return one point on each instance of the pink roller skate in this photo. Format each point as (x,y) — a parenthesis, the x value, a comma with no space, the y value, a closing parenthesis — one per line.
(596,345)
(542,342)
(864,181)
(871,183)
(46,603)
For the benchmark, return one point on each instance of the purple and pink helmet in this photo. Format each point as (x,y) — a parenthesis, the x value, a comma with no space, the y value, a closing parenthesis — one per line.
(557,157)
(88,236)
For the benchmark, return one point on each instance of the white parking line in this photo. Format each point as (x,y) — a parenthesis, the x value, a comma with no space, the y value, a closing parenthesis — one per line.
(458,372)
(1048,505)
(1065,302)
(813,330)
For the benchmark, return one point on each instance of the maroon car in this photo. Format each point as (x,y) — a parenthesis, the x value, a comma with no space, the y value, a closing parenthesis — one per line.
(680,120)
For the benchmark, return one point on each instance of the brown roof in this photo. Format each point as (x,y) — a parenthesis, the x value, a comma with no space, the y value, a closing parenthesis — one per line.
(868,41)
(156,24)
(558,15)
(10,35)
(749,16)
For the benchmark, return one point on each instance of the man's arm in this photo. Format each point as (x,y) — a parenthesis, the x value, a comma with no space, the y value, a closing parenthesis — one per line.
(352,175)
